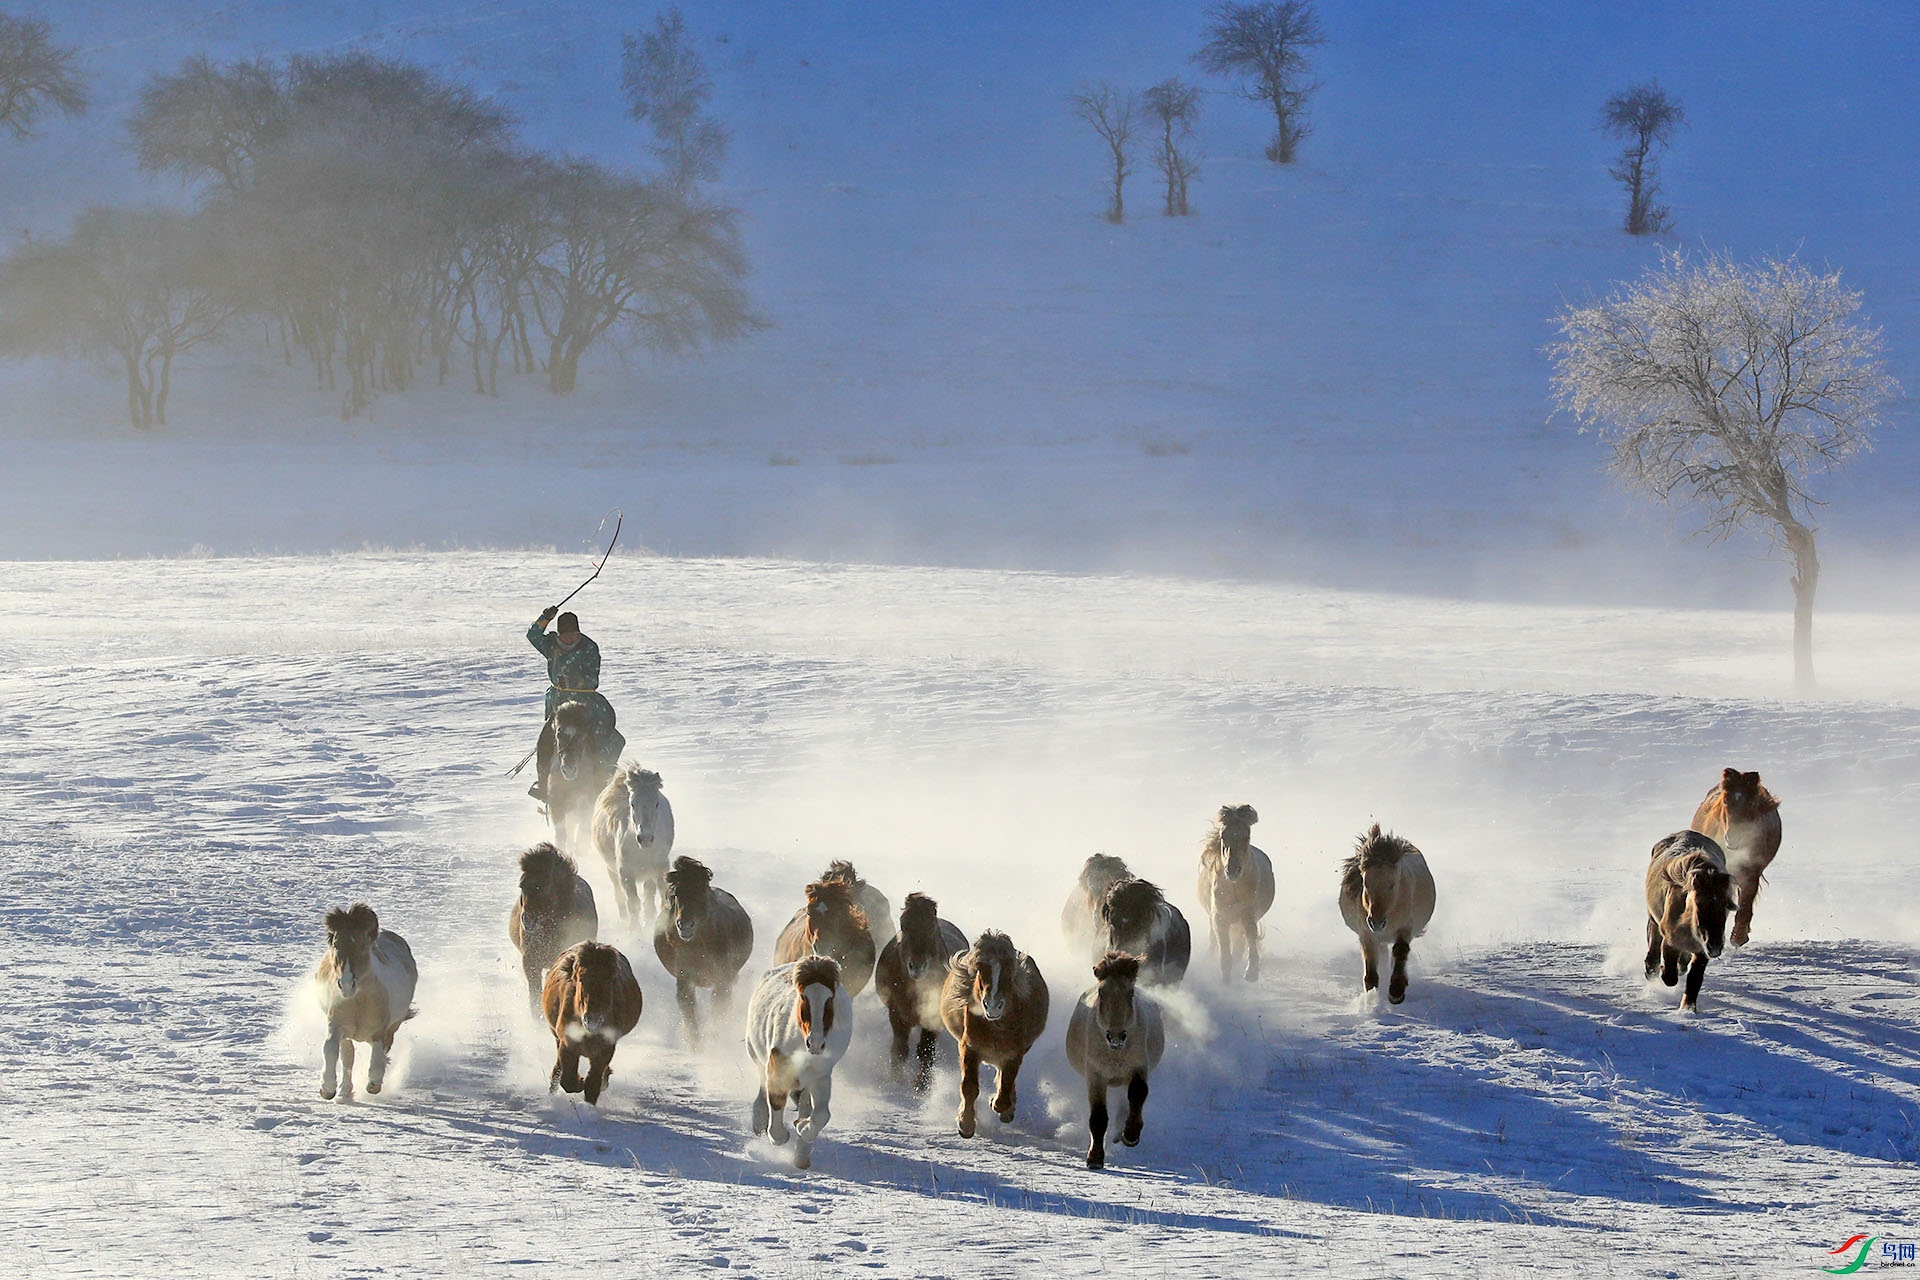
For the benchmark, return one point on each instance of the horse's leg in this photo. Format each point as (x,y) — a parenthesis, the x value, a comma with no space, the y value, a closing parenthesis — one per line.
(1696,973)
(1221,933)
(1653,947)
(1369,969)
(776,1098)
(531,967)
(377,1064)
(570,1069)
(559,1066)
(1746,888)
(929,1045)
(1253,948)
(1005,1095)
(1669,963)
(969,1087)
(817,1110)
(762,1111)
(346,1066)
(1097,1123)
(683,992)
(599,1066)
(330,1074)
(897,1059)
(1397,984)
(1136,1109)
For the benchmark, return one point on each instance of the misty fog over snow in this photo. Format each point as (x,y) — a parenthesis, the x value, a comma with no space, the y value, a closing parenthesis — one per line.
(1014,536)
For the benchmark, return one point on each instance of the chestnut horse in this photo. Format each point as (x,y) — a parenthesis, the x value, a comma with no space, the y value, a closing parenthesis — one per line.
(799,1024)
(1236,887)
(703,938)
(365,983)
(1688,896)
(1080,917)
(910,976)
(591,1000)
(1743,818)
(995,1004)
(870,900)
(1386,894)
(831,924)
(1115,1038)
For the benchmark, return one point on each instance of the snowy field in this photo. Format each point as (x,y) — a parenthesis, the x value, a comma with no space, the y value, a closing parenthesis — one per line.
(205,755)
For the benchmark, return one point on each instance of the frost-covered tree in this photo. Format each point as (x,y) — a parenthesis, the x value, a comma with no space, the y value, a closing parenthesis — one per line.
(667,88)
(138,284)
(1113,114)
(1174,106)
(1731,385)
(36,74)
(1265,45)
(1645,118)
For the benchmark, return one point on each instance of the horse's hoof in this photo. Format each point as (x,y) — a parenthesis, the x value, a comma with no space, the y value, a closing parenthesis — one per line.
(327,1094)
(1131,1138)
(780,1136)
(1396,995)
(1738,939)
(966,1126)
(1096,1159)
(1006,1117)
(373,1086)
(803,1159)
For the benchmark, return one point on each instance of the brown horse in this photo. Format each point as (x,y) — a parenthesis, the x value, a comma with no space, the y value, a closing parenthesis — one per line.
(365,982)
(871,900)
(591,1000)
(1386,893)
(1743,818)
(910,976)
(995,1004)
(1115,1038)
(1136,918)
(1236,886)
(1080,917)
(554,911)
(703,938)
(831,924)
(1688,896)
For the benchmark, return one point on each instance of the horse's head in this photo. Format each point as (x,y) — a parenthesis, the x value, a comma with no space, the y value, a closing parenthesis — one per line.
(689,893)
(1130,910)
(643,805)
(1709,899)
(596,986)
(572,739)
(835,923)
(1743,795)
(816,980)
(920,946)
(1234,829)
(351,933)
(1372,874)
(1100,873)
(1116,973)
(546,878)
(992,960)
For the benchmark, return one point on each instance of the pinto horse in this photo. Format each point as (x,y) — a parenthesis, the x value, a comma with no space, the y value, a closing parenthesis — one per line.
(995,1004)
(831,924)
(1115,1038)
(1136,918)
(703,937)
(365,984)
(799,1024)
(1236,887)
(910,976)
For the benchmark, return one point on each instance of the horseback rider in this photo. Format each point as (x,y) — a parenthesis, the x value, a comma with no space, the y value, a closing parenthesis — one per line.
(573,674)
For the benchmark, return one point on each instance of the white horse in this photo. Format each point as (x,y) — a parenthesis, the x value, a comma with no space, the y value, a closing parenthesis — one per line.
(799,1023)
(633,829)
(365,984)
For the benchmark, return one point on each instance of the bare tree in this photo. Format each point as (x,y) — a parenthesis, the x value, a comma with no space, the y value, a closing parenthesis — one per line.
(35,74)
(1113,115)
(1175,106)
(1730,385)
(667,87)
(134,283)
(208,123)
(1266,45)
(1645,117)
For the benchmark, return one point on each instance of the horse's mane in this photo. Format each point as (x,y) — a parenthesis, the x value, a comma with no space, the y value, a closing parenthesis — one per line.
(835,893)
(990,945)
(919,912)
(689,873)
(1245,814)
(841,869)
(359,918)
(634,778)
(571,709)
(1131,899)
(1103,866)
(1373,849)
(546,859)
(824,970)
(1117,964)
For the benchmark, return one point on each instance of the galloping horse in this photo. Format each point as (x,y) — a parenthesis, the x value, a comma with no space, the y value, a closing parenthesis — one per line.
(1743,818)
(633,829)
(365,983)
(995,1004)
(1688,896)
(580,772)
(1080,917)
(553,912)
(1386,892)
(831,924)
(910,976)
(591,1000)
(799,1023)
(1136,918)
(1115,1038)
(1236,886)
(703,937)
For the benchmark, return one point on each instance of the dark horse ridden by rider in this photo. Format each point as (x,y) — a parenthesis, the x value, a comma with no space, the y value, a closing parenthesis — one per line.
(579,728)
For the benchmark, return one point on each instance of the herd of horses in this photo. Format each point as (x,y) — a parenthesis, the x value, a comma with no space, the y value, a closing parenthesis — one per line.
(988,996)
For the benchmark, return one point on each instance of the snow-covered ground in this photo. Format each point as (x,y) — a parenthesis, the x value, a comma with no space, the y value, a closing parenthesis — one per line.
(204,755)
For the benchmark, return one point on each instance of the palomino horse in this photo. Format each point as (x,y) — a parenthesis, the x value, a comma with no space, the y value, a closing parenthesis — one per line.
(1743,817)
(995,1004)
(554,911)
(1080,917)
(1386,894)
(871,900)
(799,1023)
(1688,896)
(578,775)
(633,829)
(1136,918)
(591,1000)
(1115,1038)
(1236,886)
(910,976)
(831,924)
(365,983)
(703,937)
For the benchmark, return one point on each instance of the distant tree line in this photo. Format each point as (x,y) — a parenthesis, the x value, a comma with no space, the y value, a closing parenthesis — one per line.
(383,225)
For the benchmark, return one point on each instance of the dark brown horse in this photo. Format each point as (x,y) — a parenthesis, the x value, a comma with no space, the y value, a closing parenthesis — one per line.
(869,899)
(1689,894)
(831,924)
(1115,1038)
(1080,917)
(576,777)
(1136,918)
(703,937)
(910,976)
(1743,818)
(554,911)
(591,1000)
(995,1004)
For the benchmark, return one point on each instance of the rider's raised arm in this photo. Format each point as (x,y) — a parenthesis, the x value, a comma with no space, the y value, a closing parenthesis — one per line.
(540,638)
